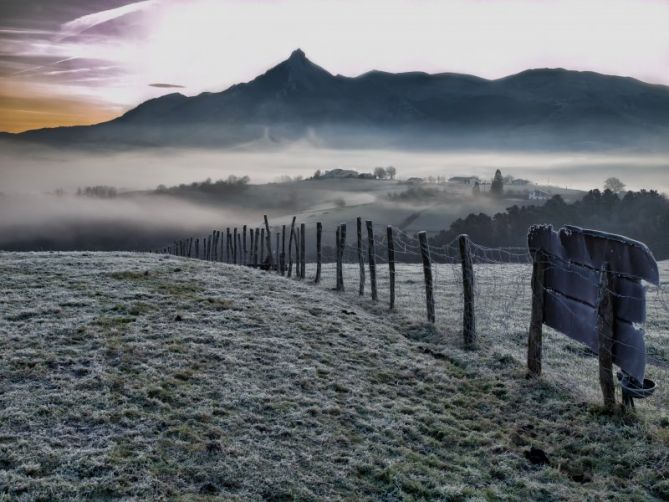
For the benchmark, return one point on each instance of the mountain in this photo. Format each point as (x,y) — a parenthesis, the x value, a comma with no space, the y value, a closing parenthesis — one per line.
(297,99)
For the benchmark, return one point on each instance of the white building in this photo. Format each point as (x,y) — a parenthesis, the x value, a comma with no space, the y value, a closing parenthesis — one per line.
(538,195)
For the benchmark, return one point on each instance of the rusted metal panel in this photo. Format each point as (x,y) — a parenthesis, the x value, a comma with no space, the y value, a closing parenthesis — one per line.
(593,249)
(574,259)
(579,321)
(580,283)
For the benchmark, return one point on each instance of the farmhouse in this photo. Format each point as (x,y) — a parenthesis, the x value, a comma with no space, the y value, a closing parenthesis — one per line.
(465,180)
(538,195)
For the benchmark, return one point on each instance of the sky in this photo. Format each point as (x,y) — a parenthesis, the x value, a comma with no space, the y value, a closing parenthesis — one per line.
(67,62)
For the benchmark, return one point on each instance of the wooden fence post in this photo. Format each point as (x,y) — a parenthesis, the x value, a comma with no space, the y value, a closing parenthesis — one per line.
(227,245)
(319,231)
(245,260)
(234,245)
(197,248)
(290,247)
(337,258)
(214,245)
(251,241)
(537,316)
(605,320)
(296,240)
(371,258)
(303,250)
(277,264)
(361,260)
(427,272)
(256,238)
(391,265)
(468,317)
(342,250)
(231,247)
(239,247)
(262,247)
(268,236)
(282,261)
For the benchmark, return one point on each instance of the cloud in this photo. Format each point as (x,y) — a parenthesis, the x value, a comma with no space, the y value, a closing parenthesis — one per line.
(167,86)
(88,21)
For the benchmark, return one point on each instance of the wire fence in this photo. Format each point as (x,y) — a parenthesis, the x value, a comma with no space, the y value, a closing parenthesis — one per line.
(502,292)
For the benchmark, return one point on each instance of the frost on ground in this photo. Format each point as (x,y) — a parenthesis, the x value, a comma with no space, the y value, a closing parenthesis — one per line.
(141,376)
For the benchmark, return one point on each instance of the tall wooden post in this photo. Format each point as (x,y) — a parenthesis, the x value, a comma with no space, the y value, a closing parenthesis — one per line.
(391,265)
(361,260)
(319,231)
(468,318)
(303,251)
(371,257)
(605,321)
(245,260)
(534,338)
(427,272)
(268,236)
(290,247)
(197,248)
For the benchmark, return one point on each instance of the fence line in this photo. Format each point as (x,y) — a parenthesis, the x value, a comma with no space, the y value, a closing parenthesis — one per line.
(461,280)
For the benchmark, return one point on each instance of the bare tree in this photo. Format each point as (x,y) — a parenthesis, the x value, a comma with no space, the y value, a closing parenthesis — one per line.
(380,173)
(391,172)
(614,184)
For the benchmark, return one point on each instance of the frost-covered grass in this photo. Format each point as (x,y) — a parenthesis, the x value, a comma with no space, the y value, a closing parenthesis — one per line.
(141,376)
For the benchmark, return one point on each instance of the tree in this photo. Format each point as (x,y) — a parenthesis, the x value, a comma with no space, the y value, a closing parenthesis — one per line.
(391,172)
(614,184)
(379,173)
(317,174)
(497,186)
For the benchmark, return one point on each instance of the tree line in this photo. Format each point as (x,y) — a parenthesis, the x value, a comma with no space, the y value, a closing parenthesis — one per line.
(642,215)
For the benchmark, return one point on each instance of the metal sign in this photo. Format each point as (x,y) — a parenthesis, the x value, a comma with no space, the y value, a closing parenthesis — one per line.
(573,260)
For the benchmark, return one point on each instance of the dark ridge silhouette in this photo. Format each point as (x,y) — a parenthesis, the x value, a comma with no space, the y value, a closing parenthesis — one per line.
(297,99)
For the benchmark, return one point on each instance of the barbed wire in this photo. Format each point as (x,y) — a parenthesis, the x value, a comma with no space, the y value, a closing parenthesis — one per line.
(502,289)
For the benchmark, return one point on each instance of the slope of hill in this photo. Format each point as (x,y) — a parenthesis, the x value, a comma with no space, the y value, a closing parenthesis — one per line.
(540,108)
(141,376)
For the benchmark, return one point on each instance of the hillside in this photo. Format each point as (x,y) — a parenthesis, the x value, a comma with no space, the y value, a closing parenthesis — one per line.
(144,376)
(298,100)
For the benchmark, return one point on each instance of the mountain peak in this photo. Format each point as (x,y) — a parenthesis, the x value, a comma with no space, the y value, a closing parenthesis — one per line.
(297,55)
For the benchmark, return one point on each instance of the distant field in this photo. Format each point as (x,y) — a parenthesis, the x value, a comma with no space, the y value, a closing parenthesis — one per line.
(144,376)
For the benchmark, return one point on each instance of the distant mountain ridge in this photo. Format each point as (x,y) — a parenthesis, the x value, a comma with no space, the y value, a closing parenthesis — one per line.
(299,100)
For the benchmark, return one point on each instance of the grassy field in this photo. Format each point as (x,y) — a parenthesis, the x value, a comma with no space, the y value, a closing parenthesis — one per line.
(142,376)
